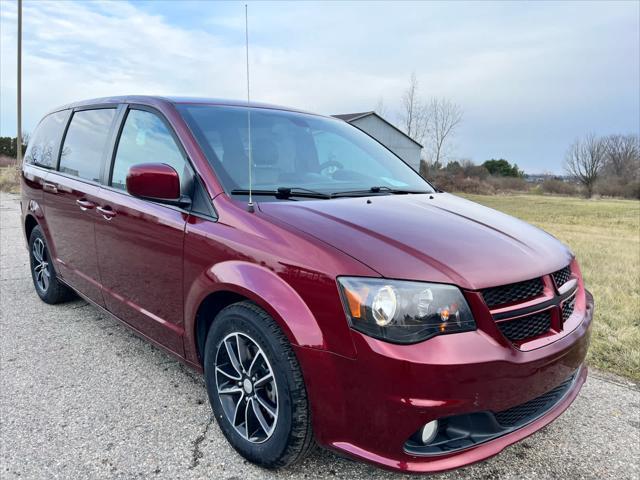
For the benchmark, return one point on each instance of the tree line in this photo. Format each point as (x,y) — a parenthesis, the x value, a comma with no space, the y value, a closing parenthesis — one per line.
(608,165)
(611,163)
(9,146)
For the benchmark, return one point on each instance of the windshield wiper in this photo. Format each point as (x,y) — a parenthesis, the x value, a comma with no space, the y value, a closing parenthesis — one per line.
(288,192)
(284,193)
(380,189)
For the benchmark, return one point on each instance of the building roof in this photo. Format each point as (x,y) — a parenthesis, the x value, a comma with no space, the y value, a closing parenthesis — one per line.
(348,117)
(352,117)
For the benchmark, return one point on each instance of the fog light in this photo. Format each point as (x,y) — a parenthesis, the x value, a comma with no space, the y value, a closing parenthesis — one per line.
(429,432)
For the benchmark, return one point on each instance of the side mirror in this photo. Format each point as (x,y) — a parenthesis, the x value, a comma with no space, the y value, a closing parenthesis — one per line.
(156,181)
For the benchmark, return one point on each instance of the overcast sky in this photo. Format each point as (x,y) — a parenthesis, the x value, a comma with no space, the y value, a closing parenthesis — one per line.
(530,76)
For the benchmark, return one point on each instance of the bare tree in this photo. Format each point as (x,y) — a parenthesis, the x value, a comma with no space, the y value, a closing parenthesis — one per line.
(622,155)
(410,105)
(432,123)
(584,161)
(445,117)
(414,116)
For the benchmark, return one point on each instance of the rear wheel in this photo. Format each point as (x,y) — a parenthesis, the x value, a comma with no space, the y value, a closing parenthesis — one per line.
(47,285)
(256,388)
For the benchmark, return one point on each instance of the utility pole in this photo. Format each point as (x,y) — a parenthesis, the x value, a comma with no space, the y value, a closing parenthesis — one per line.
(19,126)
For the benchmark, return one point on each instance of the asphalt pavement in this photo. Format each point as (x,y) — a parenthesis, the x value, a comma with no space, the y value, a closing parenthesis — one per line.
(83,397)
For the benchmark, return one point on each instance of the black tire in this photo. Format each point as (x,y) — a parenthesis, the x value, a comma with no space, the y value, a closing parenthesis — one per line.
(291,438)
(48,287)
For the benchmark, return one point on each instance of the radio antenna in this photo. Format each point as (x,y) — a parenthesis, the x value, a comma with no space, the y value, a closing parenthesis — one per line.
(246,38)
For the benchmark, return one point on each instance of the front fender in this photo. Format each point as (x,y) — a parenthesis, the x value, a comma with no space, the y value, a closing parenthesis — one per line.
(263,287)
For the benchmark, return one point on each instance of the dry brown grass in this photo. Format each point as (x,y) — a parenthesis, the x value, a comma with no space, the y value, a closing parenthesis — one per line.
(605,236)
(10,179)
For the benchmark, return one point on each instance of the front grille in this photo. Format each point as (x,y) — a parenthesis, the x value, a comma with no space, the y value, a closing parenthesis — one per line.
(526,327)
(513,292)
(524,413)
(567,308)
(561,276)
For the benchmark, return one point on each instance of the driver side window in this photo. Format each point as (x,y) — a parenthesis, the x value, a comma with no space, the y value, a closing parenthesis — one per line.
(145,139)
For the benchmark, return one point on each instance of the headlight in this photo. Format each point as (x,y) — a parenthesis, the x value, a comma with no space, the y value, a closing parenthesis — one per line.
(404,312)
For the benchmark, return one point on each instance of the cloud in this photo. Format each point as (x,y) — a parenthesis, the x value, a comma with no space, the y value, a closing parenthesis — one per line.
(530,77)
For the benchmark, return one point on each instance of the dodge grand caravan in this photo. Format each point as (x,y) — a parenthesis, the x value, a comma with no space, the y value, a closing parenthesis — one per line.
(328,293)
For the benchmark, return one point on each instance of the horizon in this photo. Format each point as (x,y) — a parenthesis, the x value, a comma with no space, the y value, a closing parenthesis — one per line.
(529,77)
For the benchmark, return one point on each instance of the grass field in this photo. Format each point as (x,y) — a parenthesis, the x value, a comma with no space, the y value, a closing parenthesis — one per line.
(605,236)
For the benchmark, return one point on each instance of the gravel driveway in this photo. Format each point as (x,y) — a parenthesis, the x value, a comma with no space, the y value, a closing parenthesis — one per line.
(82,397)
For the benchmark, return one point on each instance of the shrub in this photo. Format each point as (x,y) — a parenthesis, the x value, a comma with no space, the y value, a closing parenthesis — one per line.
(618,187)
(508,184)
(554,186)
(6,161)
(10,179)
(459,183)
(476,171)
(476,185)
(632,190)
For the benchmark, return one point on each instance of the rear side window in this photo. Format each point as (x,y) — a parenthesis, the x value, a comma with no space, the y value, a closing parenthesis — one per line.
(145,139)
(44,144)
(85,143)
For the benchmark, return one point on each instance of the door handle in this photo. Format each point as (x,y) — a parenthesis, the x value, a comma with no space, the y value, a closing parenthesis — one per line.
(85,204)
(107,212)
(49,187)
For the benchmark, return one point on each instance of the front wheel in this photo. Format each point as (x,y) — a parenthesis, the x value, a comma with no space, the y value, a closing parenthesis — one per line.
(256,388)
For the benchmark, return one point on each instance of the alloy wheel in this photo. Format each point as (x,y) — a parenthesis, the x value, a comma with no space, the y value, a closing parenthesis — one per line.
(41,267)
(246,387)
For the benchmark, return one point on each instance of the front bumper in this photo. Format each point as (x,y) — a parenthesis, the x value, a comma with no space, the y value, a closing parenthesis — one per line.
(370,406)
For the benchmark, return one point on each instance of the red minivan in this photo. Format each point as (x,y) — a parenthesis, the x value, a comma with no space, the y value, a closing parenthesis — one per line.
(329,294)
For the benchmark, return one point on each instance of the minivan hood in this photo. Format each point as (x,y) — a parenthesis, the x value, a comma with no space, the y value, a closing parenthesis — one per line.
(437,237)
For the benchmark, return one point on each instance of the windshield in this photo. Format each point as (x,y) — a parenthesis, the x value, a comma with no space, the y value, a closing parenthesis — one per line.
(295,150)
